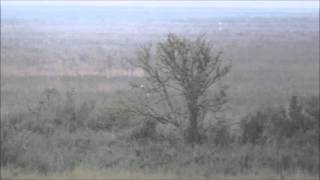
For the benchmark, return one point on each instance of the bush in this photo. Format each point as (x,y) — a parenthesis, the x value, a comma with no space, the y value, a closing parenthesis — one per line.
(220,134)
(292,133)
(253,127)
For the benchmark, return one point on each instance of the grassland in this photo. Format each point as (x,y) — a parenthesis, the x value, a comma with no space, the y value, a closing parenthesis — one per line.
(93,173)
(272,57)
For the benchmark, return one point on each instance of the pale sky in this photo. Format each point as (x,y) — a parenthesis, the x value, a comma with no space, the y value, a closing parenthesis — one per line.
(258,4)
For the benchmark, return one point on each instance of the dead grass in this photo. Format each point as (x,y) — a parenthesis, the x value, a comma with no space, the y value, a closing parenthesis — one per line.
(86,173)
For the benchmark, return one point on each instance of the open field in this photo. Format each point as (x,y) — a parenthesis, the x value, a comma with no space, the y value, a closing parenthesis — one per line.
(276,48)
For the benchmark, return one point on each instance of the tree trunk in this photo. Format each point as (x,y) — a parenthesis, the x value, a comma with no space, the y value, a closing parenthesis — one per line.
(193,135)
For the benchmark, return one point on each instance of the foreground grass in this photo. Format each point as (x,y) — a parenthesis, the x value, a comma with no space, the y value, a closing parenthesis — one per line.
(85,173)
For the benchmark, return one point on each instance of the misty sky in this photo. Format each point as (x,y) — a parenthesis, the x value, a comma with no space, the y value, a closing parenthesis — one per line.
(258,4)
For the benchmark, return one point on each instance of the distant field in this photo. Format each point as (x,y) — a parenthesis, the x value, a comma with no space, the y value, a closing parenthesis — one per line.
(273,53)
(272,56)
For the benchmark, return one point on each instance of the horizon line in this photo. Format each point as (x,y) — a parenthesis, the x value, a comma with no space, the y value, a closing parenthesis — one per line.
(219,4)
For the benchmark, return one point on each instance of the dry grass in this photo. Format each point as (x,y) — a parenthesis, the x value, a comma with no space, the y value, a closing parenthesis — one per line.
(84,173)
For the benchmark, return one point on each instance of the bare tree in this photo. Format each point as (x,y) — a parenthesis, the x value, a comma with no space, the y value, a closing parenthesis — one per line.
(181,83)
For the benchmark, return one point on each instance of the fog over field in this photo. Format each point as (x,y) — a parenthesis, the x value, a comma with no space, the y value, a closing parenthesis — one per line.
(90,49)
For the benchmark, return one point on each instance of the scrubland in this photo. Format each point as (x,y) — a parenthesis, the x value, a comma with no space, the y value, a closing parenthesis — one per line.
(62,115)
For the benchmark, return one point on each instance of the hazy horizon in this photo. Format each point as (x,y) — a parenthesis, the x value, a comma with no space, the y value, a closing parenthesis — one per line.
(232,4)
